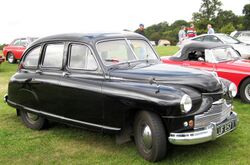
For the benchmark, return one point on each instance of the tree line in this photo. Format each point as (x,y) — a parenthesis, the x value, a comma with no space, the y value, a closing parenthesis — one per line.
(210,12)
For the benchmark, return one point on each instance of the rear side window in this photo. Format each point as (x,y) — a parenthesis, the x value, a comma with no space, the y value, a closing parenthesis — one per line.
(211,39)
(16,42)
(32,58)
(199,39)
(81,57)
(24,42)
(53,56)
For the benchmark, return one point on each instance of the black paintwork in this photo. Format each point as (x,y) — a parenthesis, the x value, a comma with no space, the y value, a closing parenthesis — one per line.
(106,99)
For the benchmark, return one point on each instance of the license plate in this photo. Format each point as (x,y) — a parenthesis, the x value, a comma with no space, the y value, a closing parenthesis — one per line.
(224,128)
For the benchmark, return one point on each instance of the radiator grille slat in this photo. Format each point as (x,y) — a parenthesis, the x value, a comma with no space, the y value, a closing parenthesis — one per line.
(219,111)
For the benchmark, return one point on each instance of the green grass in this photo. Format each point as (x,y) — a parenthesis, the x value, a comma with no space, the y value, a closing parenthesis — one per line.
(61,144)
(166,50)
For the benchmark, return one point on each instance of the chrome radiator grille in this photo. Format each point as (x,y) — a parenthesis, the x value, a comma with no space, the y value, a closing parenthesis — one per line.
(219,111)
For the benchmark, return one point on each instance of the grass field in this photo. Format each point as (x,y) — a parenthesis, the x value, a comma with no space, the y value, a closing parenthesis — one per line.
(61,144)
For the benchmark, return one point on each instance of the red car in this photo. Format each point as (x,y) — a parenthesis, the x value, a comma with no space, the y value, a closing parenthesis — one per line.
(15,49)
(222,59)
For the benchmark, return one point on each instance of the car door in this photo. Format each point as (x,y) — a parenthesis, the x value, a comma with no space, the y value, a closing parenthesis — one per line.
(14,48)
(47,79)
(196,59)
(24,82)
(200,65)
(21,48)
(81,87)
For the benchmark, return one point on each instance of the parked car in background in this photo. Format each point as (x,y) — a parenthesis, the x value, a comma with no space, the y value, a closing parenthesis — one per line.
(219,58)
(15,49)
(242,48)
(1,59)
(163,42)
(243,36)
(116,83)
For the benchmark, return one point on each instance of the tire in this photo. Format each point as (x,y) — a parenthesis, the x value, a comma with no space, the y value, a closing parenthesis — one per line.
(152,148)
(33,121)
(11,58)
(245,90)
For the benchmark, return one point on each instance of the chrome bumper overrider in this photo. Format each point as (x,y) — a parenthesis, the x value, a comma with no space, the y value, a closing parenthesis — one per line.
(5,98)
(201,136)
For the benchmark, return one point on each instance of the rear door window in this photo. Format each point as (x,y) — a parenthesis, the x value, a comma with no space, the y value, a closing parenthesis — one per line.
(32,58)
(81,57)
(53,56)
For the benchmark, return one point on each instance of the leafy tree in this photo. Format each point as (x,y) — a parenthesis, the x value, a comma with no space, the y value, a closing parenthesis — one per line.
(246,20)
(178,24)
(1,46)
(160,28)
(228,28)
(156,36)
(225,18)
(208,10)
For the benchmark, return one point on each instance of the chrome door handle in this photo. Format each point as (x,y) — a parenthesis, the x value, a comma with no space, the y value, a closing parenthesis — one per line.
(38,71)
(65,74)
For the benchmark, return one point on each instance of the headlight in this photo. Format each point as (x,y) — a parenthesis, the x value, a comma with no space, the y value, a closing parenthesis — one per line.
(232,90)
(186,103)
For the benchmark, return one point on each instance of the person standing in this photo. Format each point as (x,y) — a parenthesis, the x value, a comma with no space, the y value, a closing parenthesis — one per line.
(210,29)
(140,30)
(182,34)
(191,32)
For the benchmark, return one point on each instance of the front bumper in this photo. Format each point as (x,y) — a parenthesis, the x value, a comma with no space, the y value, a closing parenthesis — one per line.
(204,135)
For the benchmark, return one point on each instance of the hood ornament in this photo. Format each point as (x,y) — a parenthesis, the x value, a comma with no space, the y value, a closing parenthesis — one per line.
(153,81)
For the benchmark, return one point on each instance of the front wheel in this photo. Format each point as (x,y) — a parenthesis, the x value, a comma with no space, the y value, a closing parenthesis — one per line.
(245,90)
(150,136)
(33,121)
(11,58)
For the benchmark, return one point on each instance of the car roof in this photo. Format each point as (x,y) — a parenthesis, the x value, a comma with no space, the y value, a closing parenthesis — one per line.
(215,34)
(88,37)
(199,46)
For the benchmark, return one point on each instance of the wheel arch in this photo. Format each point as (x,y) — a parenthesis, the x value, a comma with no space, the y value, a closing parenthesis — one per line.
(240,84)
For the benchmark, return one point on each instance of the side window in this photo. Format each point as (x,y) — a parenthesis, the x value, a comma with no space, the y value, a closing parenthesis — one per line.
(81,58)
(196,55)
(199,39)
(211,39)
(32,58)
(16,42)
(53,56)
(24,42)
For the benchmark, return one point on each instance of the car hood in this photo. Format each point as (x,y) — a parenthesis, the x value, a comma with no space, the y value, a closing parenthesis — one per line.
(241,47)
(170,74)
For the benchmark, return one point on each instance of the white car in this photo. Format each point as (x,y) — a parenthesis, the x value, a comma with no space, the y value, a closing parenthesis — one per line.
(243,36)
(242,48)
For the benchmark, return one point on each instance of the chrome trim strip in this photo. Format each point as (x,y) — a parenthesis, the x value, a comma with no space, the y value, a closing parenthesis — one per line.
(201,136)
(65,118)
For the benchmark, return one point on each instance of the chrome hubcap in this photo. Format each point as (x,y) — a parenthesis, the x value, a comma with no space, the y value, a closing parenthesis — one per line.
(10,58)
(32,117)
(247,92)
(147,136)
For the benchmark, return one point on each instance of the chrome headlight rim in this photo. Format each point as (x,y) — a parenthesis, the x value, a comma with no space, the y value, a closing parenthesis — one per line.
(232,90)
(186,103)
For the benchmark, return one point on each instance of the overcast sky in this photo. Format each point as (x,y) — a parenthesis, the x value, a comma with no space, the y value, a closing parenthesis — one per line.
(21,18)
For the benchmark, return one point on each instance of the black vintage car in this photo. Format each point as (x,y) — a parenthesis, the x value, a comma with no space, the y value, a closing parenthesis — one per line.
(116,83)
